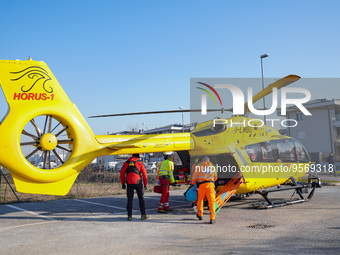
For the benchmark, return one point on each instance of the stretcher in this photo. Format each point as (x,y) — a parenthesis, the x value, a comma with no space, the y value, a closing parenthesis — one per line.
(228,190)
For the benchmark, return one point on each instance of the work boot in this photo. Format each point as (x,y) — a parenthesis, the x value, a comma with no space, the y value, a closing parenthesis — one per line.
(161,211)
(199,217)
(168,210)
(144,217)
(129,218)
(212,221)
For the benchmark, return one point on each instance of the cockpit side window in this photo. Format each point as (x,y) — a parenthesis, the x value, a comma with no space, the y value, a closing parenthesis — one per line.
(267,152)
(254,152)
(285,150)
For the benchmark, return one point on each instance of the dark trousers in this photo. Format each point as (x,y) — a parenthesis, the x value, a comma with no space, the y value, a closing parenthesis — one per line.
(140,193)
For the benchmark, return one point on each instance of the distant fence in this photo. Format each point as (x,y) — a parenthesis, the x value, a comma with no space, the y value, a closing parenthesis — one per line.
(91,182)
(91,174)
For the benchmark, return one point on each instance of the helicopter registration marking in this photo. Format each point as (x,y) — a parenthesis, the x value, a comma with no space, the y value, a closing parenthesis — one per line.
(244,129)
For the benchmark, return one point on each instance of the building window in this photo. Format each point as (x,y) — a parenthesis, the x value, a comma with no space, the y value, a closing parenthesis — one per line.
(337,115)
(299,116)
(338,131)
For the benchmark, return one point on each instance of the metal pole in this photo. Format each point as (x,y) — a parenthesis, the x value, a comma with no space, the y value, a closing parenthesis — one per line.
(182,118)
(264,100)
(1,173)
(77,188)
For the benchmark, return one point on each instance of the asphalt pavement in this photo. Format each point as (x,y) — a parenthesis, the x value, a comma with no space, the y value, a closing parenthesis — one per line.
(100,226)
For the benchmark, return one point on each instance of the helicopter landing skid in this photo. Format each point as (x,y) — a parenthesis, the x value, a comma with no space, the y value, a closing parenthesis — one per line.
(299,189)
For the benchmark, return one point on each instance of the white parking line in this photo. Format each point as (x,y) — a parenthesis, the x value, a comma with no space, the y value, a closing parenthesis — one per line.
(30,212)
(110,206)
(49,220)
(175,206)
(30,224)
(170,200)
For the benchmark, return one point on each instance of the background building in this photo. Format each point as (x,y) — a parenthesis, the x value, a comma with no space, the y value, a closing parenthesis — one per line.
(320,132)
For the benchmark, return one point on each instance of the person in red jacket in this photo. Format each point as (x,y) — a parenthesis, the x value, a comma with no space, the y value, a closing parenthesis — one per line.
(133,172)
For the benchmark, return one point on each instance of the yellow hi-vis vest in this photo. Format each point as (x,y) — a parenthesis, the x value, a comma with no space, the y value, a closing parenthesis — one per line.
(167,168)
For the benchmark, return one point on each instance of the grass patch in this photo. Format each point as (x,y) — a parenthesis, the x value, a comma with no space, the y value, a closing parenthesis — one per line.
(91,182)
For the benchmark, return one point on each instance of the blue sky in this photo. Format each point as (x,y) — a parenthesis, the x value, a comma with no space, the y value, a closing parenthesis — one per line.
(126,56)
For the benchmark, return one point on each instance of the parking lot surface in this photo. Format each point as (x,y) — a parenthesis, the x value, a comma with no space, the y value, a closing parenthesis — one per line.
(99,226)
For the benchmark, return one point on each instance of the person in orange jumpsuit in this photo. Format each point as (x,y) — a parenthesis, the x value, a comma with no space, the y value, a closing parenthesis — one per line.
(193,167)
(204,177)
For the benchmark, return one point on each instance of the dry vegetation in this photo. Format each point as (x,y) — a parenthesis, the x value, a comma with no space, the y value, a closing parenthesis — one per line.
(91,182)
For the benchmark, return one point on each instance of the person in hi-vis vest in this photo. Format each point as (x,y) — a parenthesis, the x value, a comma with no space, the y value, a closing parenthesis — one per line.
(166,177)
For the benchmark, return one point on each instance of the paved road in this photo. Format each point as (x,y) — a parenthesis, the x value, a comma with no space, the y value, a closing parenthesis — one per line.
(99,226)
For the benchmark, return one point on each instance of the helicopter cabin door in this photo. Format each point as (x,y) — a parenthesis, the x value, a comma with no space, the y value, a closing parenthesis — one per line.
(234,183)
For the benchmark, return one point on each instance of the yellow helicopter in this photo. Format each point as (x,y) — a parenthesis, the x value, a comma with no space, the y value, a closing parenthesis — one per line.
(42,119)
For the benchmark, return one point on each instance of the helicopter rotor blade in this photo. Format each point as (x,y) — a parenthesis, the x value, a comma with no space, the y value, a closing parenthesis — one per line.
(159,112)
(268,90)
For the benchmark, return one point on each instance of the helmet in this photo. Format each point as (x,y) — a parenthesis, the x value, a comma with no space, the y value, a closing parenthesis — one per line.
(168,154)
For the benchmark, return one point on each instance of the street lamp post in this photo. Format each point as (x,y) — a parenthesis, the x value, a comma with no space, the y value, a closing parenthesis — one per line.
(181,108)
(264,100)
(143,127)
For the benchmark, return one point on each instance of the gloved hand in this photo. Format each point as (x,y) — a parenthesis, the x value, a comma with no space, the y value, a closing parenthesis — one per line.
(123,186)
(145,187)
